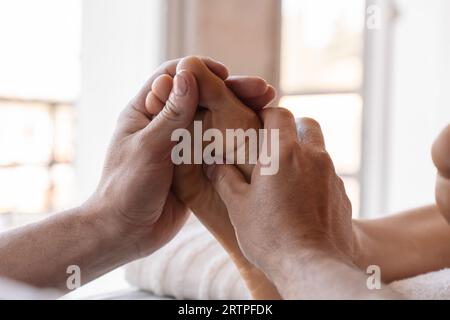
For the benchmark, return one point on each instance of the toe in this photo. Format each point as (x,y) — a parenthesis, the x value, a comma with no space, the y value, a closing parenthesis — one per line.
(156,99)
(212,89)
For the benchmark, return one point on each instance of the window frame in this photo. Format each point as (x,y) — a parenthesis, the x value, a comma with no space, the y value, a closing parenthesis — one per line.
(358,175)
(53,106)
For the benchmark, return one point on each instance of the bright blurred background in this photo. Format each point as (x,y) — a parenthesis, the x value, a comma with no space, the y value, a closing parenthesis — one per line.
(40,81)
(67,68)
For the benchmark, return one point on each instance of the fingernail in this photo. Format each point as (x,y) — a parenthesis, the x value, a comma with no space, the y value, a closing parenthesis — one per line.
(180,85)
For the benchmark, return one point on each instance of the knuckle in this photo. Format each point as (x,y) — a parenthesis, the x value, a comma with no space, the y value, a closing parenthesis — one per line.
(267,112)
(307,122)
(284,113)
(277,117)
(277,113)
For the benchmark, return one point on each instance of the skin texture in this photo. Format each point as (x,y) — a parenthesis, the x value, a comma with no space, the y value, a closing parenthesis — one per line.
(404,245)
(316,246)
(222,110)
(133,212)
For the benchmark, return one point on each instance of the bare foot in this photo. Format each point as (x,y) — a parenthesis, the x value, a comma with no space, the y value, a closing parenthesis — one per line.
(441,158)
(222,110)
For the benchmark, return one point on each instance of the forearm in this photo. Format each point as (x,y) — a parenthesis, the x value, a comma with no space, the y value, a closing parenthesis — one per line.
(405,245)
(321,276)
(39,254)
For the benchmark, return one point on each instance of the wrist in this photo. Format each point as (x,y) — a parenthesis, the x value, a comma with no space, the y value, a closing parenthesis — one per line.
(109,231)
(305,265)
(288,258)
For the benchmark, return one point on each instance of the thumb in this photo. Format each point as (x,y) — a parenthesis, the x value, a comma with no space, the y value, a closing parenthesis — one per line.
(228,181)
(178,112)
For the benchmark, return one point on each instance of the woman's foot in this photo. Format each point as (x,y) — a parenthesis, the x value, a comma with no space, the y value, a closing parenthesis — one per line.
(441,158)
(221,110)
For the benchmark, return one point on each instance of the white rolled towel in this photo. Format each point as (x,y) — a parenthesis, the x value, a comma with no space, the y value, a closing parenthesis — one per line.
(194,266)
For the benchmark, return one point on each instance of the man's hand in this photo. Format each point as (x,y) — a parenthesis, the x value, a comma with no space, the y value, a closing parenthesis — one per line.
(304,205)
(134,191)
(132,213)
(441,158)
(296,224)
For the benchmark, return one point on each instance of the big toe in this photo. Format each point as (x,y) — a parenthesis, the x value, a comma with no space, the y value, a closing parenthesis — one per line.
(212,89)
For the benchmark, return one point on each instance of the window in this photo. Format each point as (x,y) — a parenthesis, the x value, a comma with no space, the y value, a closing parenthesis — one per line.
(39,83)
(321,76)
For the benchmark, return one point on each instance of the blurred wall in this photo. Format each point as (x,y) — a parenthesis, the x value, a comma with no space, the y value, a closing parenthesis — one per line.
(244,35)
(121,46)
(420,101)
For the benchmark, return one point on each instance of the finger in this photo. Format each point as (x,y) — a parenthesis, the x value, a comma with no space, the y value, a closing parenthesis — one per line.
(281,119)
(156,99)
(228,181)
(178,112)
(309,132)
(441,153)
(170,68)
